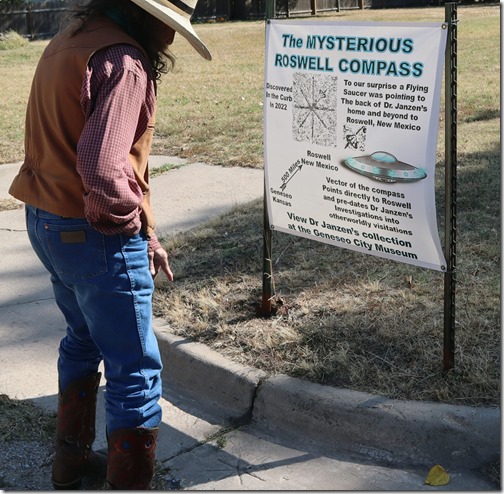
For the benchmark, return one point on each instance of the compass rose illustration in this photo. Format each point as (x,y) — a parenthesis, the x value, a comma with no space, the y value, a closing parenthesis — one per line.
(314,109)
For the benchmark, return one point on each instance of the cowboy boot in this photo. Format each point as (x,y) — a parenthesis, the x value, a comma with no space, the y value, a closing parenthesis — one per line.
(131,458)
(75,434)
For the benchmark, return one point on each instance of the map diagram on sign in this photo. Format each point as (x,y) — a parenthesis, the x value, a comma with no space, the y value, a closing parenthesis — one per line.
(314,109)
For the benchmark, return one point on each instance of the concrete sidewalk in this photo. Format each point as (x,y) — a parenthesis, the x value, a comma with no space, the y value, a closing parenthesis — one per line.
(226,426)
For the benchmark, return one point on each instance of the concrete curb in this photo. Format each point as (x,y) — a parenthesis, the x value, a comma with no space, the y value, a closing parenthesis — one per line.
(216,382)
(375,426)
(406,432)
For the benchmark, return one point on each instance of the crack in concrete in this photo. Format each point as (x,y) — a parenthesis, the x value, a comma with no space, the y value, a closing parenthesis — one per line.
(19,304)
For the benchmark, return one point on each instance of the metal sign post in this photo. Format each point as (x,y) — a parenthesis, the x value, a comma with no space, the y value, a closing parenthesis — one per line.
(450,185)
(267,281)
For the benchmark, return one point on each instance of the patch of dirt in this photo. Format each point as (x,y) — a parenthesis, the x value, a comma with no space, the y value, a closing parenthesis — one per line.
(26,465)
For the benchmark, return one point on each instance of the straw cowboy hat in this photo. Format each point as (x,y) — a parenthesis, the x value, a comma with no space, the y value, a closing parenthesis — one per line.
(177,14)
(385,167)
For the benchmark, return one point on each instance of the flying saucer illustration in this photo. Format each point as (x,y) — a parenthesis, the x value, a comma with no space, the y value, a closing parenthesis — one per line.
(384,167)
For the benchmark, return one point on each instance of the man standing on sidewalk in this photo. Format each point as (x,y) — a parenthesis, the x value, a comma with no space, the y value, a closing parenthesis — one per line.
(89,127)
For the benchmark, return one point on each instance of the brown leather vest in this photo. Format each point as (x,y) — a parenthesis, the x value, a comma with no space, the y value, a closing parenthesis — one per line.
(48,178)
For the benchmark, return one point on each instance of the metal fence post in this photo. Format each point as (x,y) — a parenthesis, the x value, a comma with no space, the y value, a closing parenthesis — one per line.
(270,9)
(30,29)
(450,185)
(267,277)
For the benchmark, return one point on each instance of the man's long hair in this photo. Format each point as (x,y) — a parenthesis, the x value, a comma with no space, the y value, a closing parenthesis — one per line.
(161,60)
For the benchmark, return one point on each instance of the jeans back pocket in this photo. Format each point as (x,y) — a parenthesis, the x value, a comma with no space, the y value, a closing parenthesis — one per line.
(77,250)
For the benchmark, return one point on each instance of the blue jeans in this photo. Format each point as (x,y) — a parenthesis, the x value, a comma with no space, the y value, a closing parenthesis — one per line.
(103,287)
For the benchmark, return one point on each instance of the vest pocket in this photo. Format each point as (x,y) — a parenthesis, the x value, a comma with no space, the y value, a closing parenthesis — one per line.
(77,250)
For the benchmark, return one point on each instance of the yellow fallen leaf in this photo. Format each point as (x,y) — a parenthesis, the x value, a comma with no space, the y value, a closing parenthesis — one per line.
(437,476)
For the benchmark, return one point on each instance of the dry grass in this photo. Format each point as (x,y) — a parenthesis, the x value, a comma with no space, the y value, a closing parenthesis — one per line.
(12,40)
(217,106)
(18,60)
(343,319)
(22,420)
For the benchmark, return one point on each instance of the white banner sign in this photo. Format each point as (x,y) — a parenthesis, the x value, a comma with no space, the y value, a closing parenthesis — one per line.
(351,115)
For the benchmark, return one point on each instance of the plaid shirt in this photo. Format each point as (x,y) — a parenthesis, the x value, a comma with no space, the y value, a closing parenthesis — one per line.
(117,98)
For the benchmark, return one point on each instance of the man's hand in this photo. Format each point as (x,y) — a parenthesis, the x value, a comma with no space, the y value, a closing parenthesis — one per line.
(158,259)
